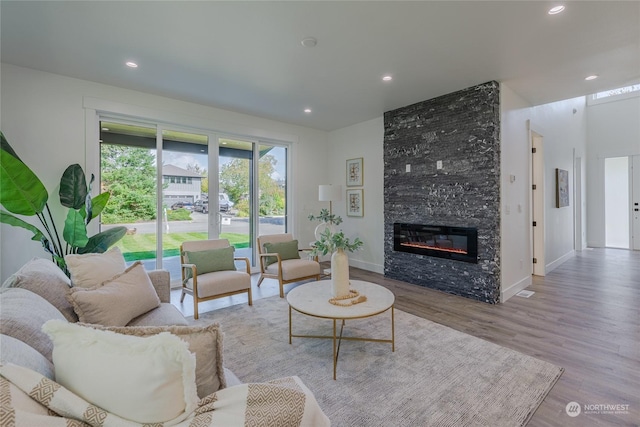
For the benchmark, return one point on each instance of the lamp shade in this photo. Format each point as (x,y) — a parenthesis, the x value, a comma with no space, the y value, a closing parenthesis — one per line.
(329,192)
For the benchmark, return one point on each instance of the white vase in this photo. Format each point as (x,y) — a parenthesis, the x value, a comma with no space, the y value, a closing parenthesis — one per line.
(340,273)
(322,227)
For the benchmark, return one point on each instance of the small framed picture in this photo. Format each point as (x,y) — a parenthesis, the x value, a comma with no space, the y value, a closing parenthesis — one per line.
(355,202)
(355,172)
(562,188)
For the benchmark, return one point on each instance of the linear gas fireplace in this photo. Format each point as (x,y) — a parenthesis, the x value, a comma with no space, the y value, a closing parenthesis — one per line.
(457,243)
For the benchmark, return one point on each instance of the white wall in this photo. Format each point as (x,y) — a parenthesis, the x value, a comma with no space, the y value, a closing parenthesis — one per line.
(563,127)
(44,120)
(614,131)
(515,244)
(361,140)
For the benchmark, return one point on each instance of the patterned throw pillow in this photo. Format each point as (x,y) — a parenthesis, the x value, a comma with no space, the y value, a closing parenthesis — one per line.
(286,250)
(211,260)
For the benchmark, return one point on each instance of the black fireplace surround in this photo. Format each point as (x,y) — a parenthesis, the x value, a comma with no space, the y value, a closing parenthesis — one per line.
(456,243)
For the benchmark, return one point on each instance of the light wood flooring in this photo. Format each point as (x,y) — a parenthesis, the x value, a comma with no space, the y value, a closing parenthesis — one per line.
(584,317)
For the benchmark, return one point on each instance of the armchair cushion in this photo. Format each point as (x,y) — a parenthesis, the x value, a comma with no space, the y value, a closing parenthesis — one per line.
(211,260)
(220,282)
(293,269)
(286,250)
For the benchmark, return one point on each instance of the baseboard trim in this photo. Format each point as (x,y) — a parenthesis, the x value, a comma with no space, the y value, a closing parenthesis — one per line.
(507,293)
(369,266)
(557,263)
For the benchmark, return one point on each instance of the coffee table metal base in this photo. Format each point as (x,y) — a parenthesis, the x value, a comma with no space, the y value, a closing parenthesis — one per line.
(337,339)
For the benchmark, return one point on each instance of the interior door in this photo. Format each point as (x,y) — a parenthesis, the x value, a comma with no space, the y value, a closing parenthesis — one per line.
(635,202)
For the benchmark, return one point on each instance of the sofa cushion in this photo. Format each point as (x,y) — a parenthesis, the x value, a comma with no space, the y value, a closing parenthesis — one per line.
(46,279)
(118,300)
(205,342)
(22,316)
(163,315)
(14,351)
(92,269)
(143,379)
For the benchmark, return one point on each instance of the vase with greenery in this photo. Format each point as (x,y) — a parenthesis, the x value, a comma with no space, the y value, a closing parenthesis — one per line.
(22,193)
(336,243)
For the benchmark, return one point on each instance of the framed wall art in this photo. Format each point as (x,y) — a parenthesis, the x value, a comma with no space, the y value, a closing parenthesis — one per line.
(562,188)
(355,172)
(355,202)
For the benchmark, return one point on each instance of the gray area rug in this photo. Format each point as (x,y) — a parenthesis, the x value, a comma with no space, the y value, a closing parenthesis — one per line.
(436,377)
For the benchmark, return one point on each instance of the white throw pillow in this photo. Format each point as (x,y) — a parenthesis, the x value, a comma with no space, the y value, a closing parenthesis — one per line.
(89,270)
(118,300)
(205,342)
(145,380)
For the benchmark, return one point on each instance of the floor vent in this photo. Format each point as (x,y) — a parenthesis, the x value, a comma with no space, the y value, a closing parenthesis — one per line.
(525,294)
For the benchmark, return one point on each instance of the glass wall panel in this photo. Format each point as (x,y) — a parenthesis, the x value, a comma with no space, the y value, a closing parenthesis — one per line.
(185,201)
(128,170)
(235,198)
(272,181)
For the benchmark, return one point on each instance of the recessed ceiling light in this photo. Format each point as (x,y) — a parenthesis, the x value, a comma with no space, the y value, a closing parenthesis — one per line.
(387,78)
(105,129)
(131,64)
(224,143)
(307,110)
(555,10)
(591,77)
(309,42)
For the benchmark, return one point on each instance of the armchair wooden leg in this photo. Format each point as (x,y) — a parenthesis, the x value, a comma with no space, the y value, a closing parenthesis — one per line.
(182,296)
(195,308)
(281,290)
(260,281)
(249,297)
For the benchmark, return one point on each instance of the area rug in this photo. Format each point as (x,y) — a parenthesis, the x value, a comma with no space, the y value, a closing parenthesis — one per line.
(437,376)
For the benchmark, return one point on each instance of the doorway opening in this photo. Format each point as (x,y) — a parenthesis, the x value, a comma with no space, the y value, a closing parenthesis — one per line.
(537,203)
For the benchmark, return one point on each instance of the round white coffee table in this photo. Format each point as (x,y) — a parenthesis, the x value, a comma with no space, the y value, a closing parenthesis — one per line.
(312,299)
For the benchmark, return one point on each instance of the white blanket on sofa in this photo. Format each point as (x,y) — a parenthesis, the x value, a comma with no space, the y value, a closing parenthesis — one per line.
(29,399)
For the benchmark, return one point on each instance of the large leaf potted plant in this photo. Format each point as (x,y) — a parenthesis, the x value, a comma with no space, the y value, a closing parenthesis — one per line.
(22,193)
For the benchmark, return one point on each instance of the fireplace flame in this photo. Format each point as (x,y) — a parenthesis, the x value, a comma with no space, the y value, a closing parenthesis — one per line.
(434,248)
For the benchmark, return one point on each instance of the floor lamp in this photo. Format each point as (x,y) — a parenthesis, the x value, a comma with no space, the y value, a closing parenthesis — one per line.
(329,193)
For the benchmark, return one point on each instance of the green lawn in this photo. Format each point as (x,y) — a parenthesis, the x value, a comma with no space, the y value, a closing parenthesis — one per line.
(143,246)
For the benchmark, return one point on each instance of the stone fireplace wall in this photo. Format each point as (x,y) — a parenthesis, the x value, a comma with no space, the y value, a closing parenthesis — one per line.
(461,130)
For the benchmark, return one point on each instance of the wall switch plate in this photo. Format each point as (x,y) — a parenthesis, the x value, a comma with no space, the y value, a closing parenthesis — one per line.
(439,164)
(408,168)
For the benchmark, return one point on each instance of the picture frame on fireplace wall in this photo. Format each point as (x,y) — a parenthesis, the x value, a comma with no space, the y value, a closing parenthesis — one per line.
(355,202)
(355,172)
(562,188)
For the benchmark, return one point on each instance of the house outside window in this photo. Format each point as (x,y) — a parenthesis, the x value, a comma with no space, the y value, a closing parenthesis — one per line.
(182,185)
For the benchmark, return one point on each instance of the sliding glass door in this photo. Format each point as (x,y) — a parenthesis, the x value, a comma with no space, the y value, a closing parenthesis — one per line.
(163,191)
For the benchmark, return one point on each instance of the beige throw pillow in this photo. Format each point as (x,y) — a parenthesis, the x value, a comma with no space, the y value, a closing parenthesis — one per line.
(145,380)
(89,270)
(205,342)
(118,300)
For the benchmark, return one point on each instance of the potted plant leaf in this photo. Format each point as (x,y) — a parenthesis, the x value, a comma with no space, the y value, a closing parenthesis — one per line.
(336,243)
(22,193)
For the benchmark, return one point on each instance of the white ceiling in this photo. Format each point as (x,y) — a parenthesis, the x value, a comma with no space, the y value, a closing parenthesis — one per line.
(247,56)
